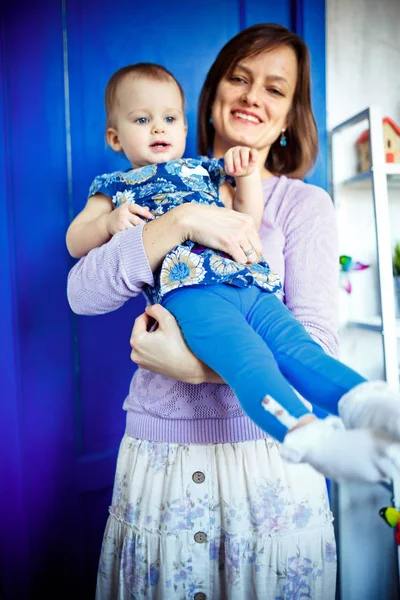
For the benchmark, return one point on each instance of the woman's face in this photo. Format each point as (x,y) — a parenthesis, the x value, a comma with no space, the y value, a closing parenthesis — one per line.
(252,103)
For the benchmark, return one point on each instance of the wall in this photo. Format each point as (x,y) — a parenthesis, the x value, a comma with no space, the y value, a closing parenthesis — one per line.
(363,57)
(363,65)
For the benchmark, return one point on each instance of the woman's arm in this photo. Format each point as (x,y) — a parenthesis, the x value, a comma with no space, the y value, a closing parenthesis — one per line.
(211,226)
(110,275)
(311,264)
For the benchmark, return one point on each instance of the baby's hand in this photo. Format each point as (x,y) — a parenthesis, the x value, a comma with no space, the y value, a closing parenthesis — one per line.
(126,216)
(240,161)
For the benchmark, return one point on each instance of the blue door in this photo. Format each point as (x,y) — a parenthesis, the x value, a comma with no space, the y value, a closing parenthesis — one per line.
(64,378)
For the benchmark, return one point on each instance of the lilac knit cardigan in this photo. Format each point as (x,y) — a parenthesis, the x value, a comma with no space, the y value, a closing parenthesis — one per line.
(299,235)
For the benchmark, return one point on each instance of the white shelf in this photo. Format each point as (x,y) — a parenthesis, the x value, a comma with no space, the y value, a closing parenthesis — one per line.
(393,169)
(373,324)
(364,180)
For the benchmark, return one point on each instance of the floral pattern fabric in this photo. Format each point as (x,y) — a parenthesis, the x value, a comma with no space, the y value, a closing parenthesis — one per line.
(251,527)
(164,186)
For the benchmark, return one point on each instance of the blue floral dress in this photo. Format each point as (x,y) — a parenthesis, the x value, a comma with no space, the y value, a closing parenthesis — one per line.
(164,186)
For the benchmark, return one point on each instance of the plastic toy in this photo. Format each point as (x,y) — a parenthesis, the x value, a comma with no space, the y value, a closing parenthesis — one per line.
(347,265)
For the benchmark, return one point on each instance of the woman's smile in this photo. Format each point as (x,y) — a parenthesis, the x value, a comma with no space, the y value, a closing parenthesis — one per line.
(246,116)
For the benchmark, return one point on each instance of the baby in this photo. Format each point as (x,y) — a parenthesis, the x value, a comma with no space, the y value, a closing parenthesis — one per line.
(229,310)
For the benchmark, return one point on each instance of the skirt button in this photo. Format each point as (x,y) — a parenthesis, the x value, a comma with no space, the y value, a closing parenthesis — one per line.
(198,477)
(200,537)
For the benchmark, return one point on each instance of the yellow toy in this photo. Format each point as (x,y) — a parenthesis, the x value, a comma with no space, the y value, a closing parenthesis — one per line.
(391,515)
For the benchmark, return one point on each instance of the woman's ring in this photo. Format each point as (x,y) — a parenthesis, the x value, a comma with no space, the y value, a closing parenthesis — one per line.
(248,252)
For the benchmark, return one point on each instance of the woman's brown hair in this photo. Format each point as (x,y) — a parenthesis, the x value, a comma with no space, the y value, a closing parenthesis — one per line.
(299,155)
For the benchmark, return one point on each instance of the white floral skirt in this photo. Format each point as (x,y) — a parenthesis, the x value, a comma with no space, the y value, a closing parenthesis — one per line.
(216,522)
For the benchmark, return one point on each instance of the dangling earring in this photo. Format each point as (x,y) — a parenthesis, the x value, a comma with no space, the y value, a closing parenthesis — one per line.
(283,140)
(210,120)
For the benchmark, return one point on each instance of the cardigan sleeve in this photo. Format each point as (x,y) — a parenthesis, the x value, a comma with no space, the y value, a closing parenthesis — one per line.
(110,275)
(312,265)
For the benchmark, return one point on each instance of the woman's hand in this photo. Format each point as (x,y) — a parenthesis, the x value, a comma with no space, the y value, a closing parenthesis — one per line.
(222,229)
(164,350)
(215,227)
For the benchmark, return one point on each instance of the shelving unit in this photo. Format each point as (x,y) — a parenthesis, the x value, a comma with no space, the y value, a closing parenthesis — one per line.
(367,325)
(378,178)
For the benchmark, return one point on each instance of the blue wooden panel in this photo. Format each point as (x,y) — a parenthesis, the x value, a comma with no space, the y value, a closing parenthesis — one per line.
(310,25)
(14,543)
(267,12)
(36,206)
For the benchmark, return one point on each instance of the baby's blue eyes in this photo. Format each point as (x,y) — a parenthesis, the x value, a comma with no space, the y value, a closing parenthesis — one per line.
(144,120)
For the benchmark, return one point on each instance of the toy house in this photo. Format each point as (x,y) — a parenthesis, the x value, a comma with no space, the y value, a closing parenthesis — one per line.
(391,137)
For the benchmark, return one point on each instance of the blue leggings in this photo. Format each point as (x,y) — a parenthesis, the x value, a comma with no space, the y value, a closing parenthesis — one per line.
(255,344)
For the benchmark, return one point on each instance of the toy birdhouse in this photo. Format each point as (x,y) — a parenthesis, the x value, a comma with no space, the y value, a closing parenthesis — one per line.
(391,138)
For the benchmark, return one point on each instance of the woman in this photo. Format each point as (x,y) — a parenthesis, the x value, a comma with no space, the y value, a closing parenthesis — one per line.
(203,505)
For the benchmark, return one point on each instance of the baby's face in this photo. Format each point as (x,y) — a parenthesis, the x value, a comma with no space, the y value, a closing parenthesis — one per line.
(149,120)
